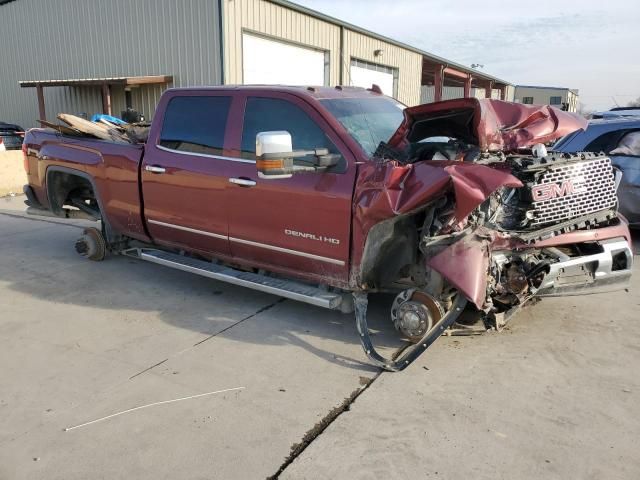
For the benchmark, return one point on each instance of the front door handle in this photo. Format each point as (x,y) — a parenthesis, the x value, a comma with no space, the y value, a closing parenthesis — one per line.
(154,169)
(243,182)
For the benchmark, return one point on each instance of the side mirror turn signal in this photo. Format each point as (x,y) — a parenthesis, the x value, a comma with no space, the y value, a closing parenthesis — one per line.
(275,157)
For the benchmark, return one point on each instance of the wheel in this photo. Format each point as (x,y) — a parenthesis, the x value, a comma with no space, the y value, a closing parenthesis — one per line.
(414,313)
(92,245)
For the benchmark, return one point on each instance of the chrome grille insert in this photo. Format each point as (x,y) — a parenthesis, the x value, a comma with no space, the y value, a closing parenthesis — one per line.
(597,191)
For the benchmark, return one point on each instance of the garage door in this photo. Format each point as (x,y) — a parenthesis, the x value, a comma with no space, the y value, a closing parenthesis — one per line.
(271,62)
(364,74)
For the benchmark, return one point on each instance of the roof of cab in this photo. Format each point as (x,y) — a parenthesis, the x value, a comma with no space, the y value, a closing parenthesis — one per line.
(318,92)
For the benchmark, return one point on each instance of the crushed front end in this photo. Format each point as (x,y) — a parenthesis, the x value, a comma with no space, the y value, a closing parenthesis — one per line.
(469,230)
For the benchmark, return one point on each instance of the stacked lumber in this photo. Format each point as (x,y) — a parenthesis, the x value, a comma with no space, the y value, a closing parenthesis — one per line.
(104,130)
(98,130)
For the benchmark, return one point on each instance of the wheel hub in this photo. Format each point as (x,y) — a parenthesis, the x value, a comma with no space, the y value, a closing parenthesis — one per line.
(414,313)
(91,244)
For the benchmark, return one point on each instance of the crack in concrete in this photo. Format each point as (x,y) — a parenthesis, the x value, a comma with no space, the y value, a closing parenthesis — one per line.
(257,312)
(148,368)
(322,425)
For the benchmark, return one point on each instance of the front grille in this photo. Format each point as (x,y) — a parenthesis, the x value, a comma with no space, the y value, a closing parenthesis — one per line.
(597,192)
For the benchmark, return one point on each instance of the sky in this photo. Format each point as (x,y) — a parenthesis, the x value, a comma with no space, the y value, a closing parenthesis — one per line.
(590,45)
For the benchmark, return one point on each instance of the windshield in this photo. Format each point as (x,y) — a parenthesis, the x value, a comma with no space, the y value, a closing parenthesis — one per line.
(368,120)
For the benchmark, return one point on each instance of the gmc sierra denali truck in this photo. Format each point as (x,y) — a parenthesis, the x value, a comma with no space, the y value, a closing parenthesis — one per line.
(324,195)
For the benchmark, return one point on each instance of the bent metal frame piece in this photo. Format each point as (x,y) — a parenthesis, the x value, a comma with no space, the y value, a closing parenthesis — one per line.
(412,352)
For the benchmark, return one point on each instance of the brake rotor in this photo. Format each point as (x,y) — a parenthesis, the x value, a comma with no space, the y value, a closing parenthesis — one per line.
(414,313)
(91,244)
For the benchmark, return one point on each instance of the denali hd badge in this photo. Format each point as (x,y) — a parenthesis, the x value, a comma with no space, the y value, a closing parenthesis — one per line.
(311,236)
(548,191)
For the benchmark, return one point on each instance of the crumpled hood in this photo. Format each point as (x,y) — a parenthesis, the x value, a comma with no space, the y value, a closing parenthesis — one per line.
(490,124)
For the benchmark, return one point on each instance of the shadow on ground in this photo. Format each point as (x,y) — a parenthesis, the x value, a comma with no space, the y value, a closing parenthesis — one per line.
(38,260)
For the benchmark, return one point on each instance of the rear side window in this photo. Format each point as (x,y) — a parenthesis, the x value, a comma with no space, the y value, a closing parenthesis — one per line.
(271,114)
(195,124)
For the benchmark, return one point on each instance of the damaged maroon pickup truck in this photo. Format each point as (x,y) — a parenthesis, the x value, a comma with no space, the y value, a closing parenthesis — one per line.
(324,195)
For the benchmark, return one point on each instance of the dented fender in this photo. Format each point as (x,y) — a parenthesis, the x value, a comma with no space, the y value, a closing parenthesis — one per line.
(473,184)
(389,189)
(465,264)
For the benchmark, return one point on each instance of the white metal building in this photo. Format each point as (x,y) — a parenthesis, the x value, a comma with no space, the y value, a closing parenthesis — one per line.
(94,56)
(565,98)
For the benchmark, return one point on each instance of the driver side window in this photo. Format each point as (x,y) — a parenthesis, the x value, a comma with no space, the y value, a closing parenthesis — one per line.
(271,114)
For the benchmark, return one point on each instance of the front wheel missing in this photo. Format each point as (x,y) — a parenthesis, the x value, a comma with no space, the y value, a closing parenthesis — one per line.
(92,244)
(414,351)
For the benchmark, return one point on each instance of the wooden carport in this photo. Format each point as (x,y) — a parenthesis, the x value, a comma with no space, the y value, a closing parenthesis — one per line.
(104,83)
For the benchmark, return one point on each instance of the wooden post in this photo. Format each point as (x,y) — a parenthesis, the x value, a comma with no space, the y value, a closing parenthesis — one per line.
(467,86)
(438,82)
(106,99)
(41,110)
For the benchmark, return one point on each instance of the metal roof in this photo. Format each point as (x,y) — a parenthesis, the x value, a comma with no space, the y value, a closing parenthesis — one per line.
(143,80)
(355,28)
(572,90)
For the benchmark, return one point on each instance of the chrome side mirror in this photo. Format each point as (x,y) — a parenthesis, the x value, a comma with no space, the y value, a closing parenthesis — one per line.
(275,157)
(271,150)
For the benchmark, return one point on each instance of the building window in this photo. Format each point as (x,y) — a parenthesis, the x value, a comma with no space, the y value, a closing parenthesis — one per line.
(195,124)
(527,100)
(555,100)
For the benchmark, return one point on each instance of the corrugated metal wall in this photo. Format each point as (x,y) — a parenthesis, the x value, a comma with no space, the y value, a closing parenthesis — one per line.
(408,63)
(44,39)
(510,93)
(448,93)
(274,20)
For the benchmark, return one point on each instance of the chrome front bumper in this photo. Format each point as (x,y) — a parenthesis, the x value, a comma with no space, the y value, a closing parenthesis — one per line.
(606,271)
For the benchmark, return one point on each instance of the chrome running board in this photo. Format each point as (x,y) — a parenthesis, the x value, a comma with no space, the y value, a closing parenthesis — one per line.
(294,290)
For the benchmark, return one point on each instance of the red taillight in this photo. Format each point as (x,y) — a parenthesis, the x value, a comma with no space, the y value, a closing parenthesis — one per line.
(25,158)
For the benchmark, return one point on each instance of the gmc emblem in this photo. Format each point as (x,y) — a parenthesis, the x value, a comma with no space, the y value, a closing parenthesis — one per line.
(548,191)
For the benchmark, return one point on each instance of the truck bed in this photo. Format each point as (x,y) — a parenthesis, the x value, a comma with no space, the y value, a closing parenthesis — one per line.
(111,167)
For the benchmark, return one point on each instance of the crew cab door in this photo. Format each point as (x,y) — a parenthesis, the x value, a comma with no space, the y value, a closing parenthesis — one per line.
(299,225)
(184,179)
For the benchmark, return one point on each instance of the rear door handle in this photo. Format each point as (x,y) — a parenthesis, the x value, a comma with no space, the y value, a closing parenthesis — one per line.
(154,169)
(243,182)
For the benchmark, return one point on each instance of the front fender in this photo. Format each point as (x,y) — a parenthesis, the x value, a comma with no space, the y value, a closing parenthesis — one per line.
(473,184)
(465,265)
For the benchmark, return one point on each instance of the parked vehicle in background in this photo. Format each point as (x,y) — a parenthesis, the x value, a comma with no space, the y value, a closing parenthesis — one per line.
(619,138)
(11,136)
(617,112)
(324,195)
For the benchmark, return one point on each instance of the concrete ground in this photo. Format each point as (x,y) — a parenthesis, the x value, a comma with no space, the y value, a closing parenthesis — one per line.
(556,396)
